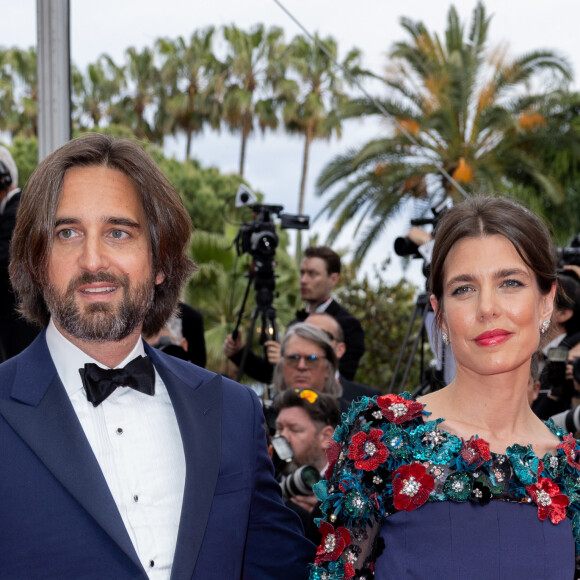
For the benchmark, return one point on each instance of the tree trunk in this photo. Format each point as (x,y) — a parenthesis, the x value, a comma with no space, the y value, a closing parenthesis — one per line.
(243,153)
(301,195)
(188,145)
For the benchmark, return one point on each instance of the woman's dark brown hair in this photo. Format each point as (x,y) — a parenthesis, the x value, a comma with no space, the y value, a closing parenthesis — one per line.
(487,216)
(167,219)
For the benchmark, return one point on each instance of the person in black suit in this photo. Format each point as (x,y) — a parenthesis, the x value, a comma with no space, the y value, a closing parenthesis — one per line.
(319,274)
(15,333)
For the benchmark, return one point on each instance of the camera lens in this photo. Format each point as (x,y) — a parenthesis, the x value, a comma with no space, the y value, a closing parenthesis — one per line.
(405,247)
(300,482)
(264,242)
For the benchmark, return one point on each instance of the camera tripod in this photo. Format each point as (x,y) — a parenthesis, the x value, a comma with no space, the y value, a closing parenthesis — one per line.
(264,284)
(430,379)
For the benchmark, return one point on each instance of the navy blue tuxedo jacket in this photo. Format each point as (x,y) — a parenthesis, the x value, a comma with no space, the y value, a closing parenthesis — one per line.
(58,519)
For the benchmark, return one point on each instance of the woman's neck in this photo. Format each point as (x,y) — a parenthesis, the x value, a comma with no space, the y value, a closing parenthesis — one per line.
(494,407)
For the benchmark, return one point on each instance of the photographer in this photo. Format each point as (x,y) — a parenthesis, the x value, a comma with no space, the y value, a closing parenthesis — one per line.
(306,419)
(556,384)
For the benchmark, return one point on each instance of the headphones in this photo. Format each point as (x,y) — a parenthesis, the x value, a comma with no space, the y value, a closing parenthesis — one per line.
(5,177)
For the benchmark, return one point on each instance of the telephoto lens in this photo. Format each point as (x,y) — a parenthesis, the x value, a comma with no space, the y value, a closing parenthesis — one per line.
(300,482)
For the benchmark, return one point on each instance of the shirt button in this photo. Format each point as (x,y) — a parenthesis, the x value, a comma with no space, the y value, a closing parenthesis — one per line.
(119,431)
(135,498)
(151,563)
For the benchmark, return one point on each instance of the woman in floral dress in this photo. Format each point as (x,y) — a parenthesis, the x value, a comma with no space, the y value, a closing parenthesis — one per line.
(466,482)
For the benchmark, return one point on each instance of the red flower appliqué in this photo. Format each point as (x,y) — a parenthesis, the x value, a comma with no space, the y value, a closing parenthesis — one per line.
(332,453)
(411,486)
(333,543)
(569,448)
(551,503)
(397,409)
(475,452)
(367,450)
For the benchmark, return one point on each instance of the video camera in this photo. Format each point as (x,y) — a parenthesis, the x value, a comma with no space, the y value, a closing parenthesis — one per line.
(404,247)
(258,237)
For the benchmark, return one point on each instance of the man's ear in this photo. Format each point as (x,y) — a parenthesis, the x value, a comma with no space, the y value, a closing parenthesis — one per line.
(340,350)
(334,278)
(325,435)
(562,316)
(159,278)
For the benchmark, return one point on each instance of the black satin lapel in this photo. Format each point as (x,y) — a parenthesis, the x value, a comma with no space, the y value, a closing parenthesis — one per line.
(51,429)
(198,411)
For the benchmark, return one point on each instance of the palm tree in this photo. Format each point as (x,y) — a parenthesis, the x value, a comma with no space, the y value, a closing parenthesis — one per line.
(255,71)
(23,119)
(457,110)
(314,111)
(192,74)
(136,108)
(95,91)
(8,105)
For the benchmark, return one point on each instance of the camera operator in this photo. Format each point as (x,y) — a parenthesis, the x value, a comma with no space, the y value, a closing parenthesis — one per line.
(307,420)
(556,384)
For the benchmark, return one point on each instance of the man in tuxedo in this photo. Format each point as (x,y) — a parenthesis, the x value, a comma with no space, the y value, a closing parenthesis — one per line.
(15,333)
(119,461)
(319,274)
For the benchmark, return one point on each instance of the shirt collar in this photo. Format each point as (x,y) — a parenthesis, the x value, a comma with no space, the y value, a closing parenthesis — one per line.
(68,358)
(321,307)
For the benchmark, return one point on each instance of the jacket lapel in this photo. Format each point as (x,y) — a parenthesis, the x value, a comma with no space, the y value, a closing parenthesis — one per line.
(42,415)
(197,400)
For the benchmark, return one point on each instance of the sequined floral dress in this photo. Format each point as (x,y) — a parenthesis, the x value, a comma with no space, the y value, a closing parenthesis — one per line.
(405,499)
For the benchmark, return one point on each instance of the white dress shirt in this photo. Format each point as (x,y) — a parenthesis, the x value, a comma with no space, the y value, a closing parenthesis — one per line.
(137,443)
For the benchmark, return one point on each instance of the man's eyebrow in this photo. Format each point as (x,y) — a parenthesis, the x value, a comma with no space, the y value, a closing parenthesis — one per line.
(115,221)
(119,221)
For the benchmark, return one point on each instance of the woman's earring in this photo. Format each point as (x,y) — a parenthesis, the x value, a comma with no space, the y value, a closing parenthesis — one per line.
(445,338)
(544,327)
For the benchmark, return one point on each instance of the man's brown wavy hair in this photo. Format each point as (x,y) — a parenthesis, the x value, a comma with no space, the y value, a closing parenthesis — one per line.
(167,219)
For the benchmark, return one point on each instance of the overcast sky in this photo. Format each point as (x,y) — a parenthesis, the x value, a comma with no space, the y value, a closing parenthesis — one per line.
(274,162)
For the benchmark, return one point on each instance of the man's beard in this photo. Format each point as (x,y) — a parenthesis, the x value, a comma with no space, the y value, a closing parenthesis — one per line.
(312,455)
(100,322)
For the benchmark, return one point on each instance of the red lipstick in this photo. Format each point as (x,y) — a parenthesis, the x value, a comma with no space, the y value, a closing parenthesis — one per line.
(492,337)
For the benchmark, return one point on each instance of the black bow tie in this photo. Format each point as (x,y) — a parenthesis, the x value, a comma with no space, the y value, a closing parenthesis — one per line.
(99,383)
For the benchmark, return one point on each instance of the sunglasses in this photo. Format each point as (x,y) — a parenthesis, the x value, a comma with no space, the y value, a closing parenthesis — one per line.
(310,360)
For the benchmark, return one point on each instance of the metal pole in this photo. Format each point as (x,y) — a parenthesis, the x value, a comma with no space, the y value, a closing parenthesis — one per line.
(53,68)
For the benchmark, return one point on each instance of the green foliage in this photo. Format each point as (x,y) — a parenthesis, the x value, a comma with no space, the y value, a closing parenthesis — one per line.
(385,313)
(25,154)
(205,192)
